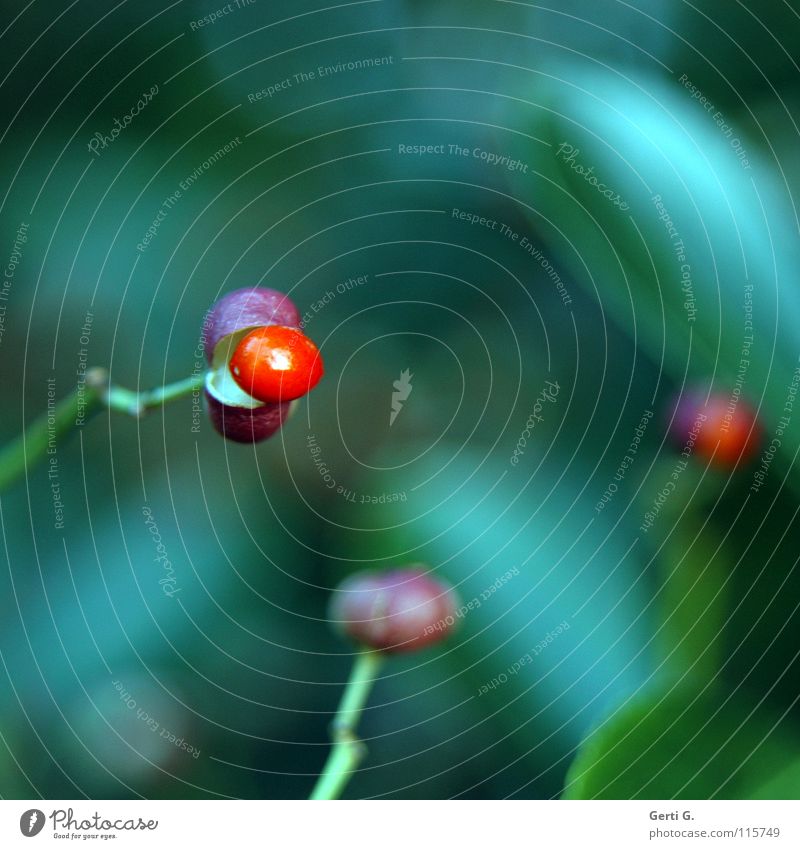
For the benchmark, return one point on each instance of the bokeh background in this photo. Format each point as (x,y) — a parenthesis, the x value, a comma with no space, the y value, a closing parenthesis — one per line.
(664,658)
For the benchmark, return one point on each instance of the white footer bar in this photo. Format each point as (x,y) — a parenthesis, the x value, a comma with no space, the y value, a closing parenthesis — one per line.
(400,825)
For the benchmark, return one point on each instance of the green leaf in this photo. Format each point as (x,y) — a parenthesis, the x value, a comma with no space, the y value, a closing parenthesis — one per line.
(784,785)
(696,569)
(680,744)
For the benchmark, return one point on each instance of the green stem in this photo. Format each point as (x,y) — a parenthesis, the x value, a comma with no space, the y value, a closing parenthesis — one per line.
(348,751)
(88,399)
(138,403)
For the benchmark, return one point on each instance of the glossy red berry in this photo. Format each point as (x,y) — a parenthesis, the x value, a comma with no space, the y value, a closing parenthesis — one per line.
(276,364)
(725,431)
(400,610)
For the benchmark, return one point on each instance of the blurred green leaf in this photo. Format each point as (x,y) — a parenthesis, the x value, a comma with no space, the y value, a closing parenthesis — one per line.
(694,599)
(784,785)
(680,744)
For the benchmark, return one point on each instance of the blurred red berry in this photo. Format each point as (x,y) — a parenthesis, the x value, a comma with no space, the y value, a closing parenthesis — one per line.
(399,610)
(725,430)
(276,364)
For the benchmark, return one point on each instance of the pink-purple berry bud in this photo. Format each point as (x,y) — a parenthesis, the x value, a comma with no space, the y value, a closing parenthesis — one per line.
(399,610)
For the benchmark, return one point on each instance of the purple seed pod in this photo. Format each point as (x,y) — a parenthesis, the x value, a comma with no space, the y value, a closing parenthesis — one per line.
(239,312)
(246,424)
(400,610)
(235,414)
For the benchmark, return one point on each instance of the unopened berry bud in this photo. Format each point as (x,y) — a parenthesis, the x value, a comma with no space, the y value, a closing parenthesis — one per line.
(399,610)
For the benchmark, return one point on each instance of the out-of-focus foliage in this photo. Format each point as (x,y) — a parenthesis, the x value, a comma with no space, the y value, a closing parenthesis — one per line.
(683,744)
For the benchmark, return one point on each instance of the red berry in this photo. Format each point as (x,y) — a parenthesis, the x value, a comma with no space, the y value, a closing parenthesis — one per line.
(396,611)
(276,364)
(727,431)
